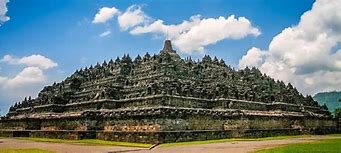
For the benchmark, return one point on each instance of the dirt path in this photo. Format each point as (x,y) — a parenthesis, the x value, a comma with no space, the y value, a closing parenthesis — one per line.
(234,147)
(61,147)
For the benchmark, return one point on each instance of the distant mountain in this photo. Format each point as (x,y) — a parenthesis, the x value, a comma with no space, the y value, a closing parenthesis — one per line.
(331,99)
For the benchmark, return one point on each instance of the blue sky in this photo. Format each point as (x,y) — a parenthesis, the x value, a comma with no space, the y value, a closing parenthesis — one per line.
(64,33)
(59,29)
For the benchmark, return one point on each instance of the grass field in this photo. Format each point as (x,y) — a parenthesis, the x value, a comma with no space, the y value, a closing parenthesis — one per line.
(338,135)
(231,140)
(128,144)
(323,146)
(24,151)
(89,141)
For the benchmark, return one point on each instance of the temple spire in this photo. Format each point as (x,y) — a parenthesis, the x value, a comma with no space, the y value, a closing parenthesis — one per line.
(168,46)
(168,49)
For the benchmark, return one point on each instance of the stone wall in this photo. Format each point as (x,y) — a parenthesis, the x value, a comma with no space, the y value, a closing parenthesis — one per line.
(64,134)
(168,119)
(167,124)
(171,101)
(162,119)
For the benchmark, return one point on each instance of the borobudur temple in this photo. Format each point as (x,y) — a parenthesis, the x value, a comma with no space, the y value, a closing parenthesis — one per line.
(164,98)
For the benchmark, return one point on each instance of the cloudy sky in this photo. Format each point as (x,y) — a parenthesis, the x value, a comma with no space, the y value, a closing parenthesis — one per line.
(44,41)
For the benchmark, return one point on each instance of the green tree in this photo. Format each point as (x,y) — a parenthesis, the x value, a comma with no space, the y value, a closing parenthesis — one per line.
(337,112)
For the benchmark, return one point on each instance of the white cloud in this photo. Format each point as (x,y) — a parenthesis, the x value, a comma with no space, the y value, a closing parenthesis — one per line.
(105,33)
(307,54)
(27,82)
(3,79)
(131,17)
(254,58)
(24,81)
(104,14)
(173,31)
(211,30)
(189,36)
(33,60)
(28,76)
(3,11)
(197,33)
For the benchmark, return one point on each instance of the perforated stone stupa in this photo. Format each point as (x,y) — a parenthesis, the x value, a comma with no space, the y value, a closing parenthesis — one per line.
(163,98)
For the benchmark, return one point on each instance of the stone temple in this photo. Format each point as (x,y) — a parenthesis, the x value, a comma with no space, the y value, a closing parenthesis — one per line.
(164,98)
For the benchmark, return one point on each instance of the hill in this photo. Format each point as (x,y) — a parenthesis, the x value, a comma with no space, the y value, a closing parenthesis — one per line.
(331,99)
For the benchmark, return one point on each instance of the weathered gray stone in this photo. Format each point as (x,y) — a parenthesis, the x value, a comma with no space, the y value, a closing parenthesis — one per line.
(165,95)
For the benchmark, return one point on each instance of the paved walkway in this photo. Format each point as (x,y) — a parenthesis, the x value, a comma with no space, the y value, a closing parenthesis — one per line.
(234,147)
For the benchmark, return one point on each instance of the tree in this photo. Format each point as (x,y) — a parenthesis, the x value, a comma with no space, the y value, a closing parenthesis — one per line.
(337,112)
(324,106)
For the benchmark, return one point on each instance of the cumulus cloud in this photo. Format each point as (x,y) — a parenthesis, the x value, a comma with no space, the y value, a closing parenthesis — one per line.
(191,35)
(30,75)
(32,60)
(253,58)
(131,17)
(195,34)
(105,33)
(27,82)
(172,31)
(3,11)
(104,14)
(307,54)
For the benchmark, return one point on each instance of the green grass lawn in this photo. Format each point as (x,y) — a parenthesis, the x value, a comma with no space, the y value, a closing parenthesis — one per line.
(89,141)
(323,146)
(24,151)
(231,140)
(128,144)
(337,135)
